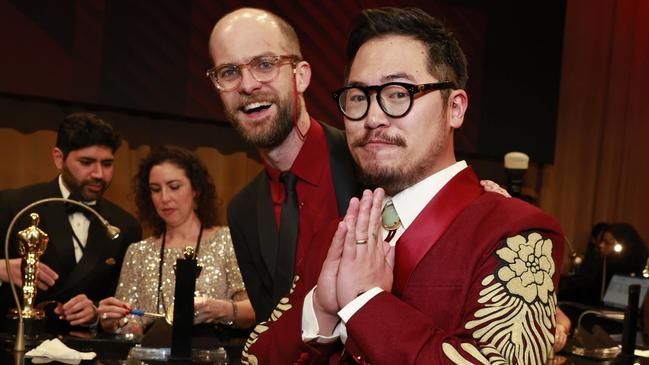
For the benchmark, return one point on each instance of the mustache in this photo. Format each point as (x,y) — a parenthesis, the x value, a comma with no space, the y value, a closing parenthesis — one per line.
(95,182)
(377,136)
(245,99)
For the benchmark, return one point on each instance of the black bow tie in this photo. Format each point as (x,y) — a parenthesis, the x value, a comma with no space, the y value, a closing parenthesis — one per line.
(71,208)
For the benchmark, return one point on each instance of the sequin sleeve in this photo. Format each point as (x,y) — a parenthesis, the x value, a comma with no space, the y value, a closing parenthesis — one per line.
(220,277)
(236,288)
(130,288)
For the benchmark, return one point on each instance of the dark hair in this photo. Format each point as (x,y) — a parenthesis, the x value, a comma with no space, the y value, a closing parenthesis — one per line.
(446,60)
(81,130)
(634,252)
(627,235)
(200,180)
(597,231)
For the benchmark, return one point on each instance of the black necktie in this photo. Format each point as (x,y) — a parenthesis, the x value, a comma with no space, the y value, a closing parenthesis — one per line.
(288,227)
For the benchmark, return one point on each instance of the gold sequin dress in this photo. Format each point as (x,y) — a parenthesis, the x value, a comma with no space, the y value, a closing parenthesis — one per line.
(220,277)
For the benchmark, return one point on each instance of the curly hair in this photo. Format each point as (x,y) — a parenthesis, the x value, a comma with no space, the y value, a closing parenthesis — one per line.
(200,180)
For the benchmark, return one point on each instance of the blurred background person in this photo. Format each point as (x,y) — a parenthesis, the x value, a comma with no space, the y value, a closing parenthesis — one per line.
(583,286)
(617,249)
(625,251)
(176,198)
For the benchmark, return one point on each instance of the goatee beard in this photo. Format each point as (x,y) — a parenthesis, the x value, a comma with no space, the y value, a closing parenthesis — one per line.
(391,181)
(274,133)
(279,129)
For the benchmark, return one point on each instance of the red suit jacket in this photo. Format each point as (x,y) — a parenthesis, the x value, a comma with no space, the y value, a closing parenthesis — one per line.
(475,279)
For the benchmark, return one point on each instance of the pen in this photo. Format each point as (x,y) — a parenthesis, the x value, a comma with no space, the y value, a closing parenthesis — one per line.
(141,312)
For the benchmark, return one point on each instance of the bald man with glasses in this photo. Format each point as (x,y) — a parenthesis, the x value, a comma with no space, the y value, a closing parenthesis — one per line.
(308,177)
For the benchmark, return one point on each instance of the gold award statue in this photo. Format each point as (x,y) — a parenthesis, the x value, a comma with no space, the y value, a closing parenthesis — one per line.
(33,242)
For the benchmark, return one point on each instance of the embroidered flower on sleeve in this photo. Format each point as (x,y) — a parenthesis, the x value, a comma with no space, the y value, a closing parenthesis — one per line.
(529,267)
(517,305)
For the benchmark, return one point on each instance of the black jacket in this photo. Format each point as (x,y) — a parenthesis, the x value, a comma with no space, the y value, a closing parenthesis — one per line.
(97,273)
(252,222)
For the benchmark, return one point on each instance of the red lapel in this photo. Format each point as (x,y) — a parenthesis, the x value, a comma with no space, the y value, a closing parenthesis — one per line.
(431,223)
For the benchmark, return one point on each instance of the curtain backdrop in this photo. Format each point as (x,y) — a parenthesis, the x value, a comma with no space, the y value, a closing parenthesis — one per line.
(601,169)
(601,164)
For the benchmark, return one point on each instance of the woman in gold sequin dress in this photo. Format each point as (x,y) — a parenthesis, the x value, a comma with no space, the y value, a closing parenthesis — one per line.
(176,198)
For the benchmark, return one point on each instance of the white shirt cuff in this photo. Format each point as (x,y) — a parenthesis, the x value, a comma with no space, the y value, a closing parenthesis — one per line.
(310,328)
(352,307)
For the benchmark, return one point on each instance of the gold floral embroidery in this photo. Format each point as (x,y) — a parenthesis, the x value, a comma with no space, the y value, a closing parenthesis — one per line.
(518,304)
(283,306)
(529,268)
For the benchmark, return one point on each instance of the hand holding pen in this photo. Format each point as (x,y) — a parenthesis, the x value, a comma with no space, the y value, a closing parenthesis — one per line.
(142,313)
(113,313)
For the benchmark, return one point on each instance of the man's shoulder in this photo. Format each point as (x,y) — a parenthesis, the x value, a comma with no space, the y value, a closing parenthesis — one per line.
(29,193)
(331,130)
(38,187)
(248,195)
(119,217)
(114,211)
(500,202)
(335,136)
(513,212)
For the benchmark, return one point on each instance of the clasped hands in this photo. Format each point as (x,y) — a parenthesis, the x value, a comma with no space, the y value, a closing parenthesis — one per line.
(358,260)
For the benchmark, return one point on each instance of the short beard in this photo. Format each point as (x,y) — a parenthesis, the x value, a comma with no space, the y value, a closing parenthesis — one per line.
(394,179)
(76,188)
(276,133)
(391,180)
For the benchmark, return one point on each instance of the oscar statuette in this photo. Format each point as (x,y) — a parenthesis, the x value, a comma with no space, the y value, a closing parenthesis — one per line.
(32,244)
(27,321)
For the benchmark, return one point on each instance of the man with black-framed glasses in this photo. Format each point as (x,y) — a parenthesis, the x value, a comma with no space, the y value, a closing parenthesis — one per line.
(428,268)
(394,98)
(260,77)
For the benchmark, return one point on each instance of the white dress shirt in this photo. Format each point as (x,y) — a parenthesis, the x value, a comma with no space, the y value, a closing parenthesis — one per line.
(408,204)
(79,222)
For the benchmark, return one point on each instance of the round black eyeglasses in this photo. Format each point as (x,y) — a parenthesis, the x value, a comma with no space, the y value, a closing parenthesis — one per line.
(394,98)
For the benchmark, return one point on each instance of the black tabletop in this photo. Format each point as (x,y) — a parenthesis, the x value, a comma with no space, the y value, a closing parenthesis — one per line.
(110,349)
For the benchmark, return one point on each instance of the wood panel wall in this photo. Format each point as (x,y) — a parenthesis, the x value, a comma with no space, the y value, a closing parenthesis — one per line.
(601,168)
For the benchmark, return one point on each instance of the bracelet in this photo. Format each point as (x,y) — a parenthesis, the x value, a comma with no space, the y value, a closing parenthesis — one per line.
(234,315)
(234,311)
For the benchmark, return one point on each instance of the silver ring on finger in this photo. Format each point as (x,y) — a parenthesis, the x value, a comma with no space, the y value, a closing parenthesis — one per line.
(361,242)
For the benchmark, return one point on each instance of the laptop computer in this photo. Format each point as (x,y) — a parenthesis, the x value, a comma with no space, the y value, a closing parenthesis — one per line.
(617,292)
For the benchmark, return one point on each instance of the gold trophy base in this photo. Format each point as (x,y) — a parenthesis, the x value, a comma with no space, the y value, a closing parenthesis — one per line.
(27,313)
(35,326)
(35,333)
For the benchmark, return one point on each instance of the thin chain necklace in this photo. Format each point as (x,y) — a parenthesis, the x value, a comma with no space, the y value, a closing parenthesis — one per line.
(162,258)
